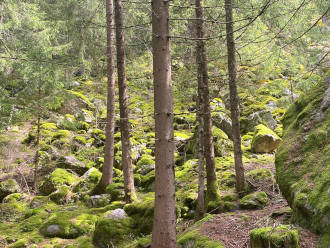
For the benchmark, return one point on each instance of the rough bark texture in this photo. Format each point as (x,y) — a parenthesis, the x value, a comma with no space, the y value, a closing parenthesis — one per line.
(110,127)
(200,209)
(164,231)
(234,99)
(212,192)
(123,102)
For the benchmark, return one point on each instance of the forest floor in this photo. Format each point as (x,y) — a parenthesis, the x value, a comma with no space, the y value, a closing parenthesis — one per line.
(12,152)
(232,228)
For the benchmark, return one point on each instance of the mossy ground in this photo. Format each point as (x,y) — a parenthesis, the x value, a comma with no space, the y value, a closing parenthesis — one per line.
(67,200)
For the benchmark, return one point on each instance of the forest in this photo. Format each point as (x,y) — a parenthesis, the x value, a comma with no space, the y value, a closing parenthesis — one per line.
(164,124)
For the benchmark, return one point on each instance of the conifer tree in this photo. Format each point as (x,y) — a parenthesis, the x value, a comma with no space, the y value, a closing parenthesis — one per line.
(123,102)
(164,232)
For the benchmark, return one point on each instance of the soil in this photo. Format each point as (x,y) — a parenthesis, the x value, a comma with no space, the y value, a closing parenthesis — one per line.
(232,228)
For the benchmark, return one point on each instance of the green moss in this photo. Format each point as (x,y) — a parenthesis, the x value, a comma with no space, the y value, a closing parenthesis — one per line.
(146,159)
(61,195)
(8,187)
(281,236)
(302,163)
(212,192)
(57,178)
(194,240)
(62,134)
(142,214)
(48,126)
(19,244)
(254,201)
(264,139)
(112,232)
(60,224)
(80,139)
(262,174)
(116,191)
(90,179)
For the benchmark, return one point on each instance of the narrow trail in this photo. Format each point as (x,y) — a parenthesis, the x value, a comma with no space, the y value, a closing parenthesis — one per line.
(13,150)
(232,228)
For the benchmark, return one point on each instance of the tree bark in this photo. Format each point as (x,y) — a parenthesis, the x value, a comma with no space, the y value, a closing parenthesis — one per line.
(37,156)
(212,191)
(123,98)
(107,170)
(164,231)
(200,209)
(234,99)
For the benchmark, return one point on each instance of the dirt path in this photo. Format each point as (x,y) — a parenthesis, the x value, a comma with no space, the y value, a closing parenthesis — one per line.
(13,150)
(232,228)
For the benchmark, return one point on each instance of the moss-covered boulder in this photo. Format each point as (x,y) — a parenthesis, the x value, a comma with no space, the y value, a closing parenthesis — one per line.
(142,214)
(256,200)
(194,240)
(109,231)
(264,140)
(8,187)
(88,181)
(269,237)
(71,163)
(56,179)
(302,160)
(61,225)
(62,195)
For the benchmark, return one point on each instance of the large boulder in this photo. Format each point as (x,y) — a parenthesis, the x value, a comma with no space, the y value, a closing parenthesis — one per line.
(256,200)
(223,122)
(57,178)
(8,187)
(260,117)
(61,225)
(272,237)
(264,140)
(302,160)
(71,163)
(112,229)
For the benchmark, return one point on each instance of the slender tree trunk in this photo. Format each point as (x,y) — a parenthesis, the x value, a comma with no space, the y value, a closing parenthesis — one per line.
(123,98)
(200,209)
(10,116)
(164,231)
(37,158)
(234,99)
(212,192)
(107,169)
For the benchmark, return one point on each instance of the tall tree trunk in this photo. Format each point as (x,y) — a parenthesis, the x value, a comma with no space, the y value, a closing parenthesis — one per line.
(107,169)
(123,98)
(200,209)
(234,99)
(164,231)
(37,155)
(212,191)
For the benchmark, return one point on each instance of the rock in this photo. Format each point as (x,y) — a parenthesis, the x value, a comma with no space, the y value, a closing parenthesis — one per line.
(269,237)
(264,140)
(145,164)
(302,159)
(8,187)
(100,200)
(62,195)
(71,163)
(60,225)
(16,197)
(110,233)
(223,122)
(56,179)
(89,181)
(260,117)
(116,214)
(256,200)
